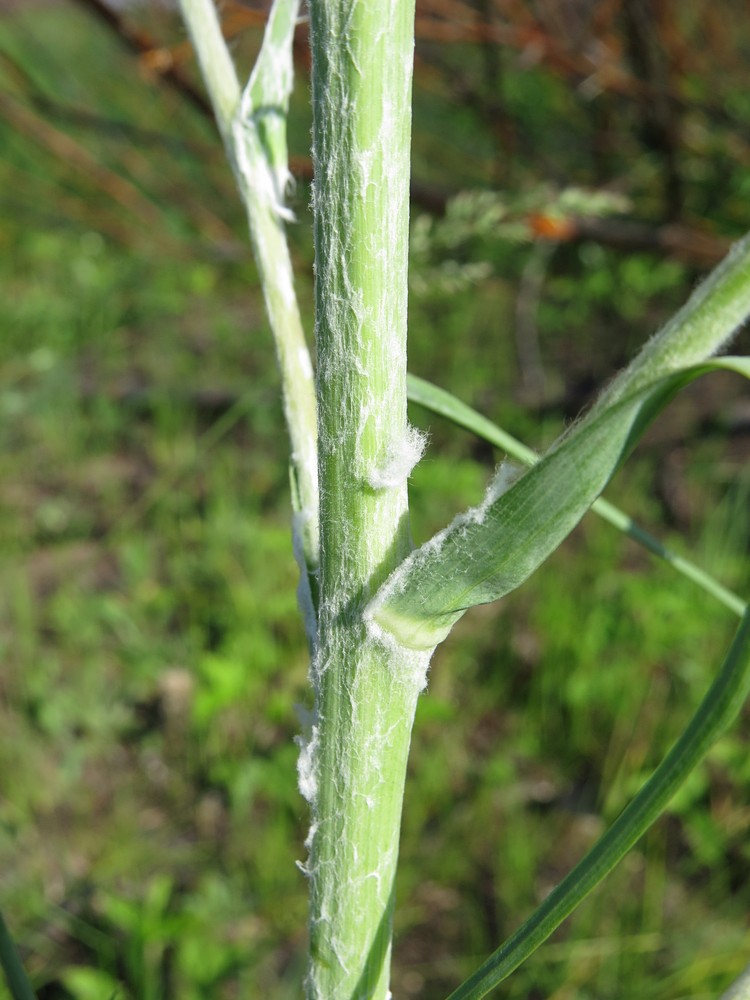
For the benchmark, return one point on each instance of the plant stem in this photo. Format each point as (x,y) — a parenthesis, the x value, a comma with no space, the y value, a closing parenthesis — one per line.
(353,767)
(252,125)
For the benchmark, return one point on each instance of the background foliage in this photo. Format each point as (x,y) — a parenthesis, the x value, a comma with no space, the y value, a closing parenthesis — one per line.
(577,166)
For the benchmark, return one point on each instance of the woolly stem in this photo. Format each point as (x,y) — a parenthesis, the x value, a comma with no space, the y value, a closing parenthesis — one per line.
(252,124)
(353,767)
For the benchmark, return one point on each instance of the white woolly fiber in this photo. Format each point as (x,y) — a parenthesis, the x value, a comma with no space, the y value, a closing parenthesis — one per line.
(401,458)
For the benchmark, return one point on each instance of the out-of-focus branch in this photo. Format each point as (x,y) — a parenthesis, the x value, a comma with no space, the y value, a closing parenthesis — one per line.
(67,150)
(687,243)
(32,118)
(141,43)
(455,21)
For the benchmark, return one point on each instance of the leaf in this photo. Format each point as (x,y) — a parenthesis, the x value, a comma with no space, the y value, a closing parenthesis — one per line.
(490,550)
(446,405)
(715,714)
(20,988)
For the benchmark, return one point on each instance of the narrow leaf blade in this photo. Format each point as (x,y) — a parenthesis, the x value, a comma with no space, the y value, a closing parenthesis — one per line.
(445,404)
(19,985)
(491,549)
(715,714)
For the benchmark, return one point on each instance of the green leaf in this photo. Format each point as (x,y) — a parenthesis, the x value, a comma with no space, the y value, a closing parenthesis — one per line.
(715,714)
(446,405)
(490,550)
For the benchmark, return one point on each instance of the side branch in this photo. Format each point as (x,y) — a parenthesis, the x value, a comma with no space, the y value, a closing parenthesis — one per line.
(253,125)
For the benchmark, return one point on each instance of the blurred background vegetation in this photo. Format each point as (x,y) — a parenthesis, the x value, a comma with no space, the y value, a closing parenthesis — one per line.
(578,165)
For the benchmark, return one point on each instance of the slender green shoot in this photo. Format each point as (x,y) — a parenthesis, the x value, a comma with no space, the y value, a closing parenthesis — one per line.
(376,610)
(252,123)
(353,766)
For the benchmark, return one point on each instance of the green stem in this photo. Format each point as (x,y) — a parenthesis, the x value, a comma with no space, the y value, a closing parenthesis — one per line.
(252,125)
(353,767)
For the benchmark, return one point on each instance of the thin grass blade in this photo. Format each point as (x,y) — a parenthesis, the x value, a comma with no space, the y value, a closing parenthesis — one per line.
(19,985)
(490,550)
(715,714)
(443,403)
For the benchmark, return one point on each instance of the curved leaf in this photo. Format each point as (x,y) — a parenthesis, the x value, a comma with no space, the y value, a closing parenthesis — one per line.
(490,550)
(443,403)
